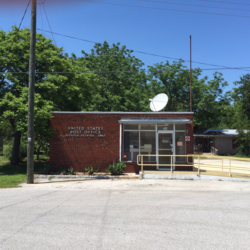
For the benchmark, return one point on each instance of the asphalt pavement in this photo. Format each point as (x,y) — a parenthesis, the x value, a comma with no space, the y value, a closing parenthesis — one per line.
(125,214)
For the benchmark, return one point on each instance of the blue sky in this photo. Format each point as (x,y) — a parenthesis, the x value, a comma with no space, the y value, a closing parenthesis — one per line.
(216,39)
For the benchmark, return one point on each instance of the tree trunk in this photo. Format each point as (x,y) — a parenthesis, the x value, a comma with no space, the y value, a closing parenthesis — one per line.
(38,152)
(1,145)
(16,149)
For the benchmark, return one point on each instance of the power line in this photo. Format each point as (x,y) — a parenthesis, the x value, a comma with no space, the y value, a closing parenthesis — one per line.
(21,22)
(224,2)
(105,72)
(67,36)
(141,52)
(24,14)
(155,8)
(202,6)
(41,12)
(49,23)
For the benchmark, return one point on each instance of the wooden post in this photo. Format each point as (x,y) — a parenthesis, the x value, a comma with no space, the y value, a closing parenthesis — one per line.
(171,164)
(142,164)
(198,165)
(230,168)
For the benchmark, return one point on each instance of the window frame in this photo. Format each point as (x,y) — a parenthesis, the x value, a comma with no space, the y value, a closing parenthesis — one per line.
(173,131)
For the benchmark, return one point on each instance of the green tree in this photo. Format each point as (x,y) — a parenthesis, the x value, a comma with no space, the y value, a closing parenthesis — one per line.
(15,109)
(242,94)
(208,99)
(121,80)
(240,117)
(171,79)
(57,87)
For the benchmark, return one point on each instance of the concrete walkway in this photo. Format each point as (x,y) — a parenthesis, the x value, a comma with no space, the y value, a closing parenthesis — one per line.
(212,164)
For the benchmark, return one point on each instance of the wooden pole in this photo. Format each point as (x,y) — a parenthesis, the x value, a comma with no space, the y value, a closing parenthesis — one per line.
(30,147)
(190,73)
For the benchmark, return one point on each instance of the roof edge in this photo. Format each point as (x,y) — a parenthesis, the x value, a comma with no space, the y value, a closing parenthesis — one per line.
(119,112)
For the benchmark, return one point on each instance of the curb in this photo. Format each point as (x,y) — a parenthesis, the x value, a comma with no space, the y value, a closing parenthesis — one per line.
(85,177)
(191,177)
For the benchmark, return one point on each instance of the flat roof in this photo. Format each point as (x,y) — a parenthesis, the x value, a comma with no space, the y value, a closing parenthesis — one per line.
(220,133)
(122,113)
(154,121)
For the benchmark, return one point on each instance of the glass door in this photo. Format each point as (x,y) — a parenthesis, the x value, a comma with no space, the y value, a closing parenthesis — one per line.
(165,147)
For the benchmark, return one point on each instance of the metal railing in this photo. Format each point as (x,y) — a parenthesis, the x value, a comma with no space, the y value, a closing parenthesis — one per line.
(208,165)
(171,165)
(222,166)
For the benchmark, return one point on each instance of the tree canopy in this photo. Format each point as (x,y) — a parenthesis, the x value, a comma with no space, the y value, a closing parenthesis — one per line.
(56,86)
(121,80)
(109,78)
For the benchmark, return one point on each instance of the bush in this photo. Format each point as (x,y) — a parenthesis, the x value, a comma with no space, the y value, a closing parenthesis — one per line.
(116,168)
(90,170)
(7,150)
(72,171)
(46,168)
(23,151)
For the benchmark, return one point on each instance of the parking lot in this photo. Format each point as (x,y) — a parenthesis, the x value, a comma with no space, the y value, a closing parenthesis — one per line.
(125,214)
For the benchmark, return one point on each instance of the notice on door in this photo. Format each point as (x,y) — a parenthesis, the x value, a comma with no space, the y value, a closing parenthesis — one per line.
(165,141)
(179,143)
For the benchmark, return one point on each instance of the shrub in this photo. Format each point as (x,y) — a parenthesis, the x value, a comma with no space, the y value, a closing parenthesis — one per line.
(47,168)
(116,168)
(7,151)
(61,171)
(72,171)
(90,170)
(23,151)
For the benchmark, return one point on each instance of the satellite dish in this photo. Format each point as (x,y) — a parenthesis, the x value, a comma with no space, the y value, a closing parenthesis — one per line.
(159,102)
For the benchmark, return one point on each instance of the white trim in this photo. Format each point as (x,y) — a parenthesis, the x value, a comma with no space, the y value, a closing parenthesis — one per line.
(165,131)
(174,147)
(157,148)
(139,143)
(120,112)
(139,130)
(120,148)
(157,145)
(153,121)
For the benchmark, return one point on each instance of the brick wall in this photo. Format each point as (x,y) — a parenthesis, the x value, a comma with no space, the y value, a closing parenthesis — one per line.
(80,151)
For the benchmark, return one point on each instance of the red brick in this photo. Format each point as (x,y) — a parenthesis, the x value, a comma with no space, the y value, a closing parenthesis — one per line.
(97,151)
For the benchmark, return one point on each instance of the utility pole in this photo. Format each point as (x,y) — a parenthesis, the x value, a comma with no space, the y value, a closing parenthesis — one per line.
(190,73)
(30,147)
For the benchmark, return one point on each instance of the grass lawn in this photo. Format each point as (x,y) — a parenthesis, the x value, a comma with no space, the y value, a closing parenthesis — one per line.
(12,176)
(3,158)
(201,157)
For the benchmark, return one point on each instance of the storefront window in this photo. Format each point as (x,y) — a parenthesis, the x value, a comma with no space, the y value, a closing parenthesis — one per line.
(131,145)
(141,139)
(180,126)
(147,145)
(131,126)
(180,145)
(165,126)
(148,127)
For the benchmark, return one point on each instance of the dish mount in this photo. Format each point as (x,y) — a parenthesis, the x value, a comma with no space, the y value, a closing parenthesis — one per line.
(159,102)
